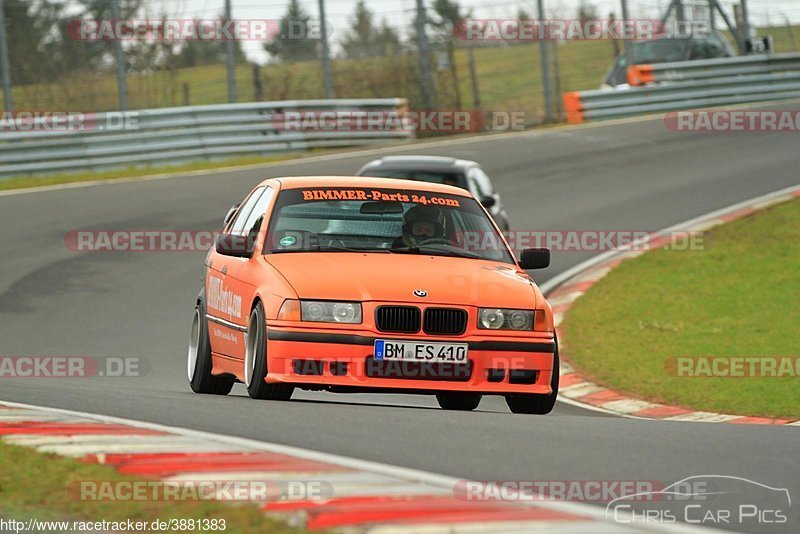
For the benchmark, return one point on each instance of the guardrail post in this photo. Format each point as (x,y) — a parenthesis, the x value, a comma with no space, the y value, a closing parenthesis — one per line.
(473,77)
(8,101)
(122,83)
(326,54)
(230,58)
(731,26)
(428,89)
(545,59)
(712,16)
(745,21)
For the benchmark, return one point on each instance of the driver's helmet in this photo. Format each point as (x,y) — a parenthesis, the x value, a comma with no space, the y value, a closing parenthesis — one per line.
(422,223)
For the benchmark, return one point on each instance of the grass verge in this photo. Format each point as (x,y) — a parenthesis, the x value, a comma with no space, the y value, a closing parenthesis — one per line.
(735,298)
(34,485)
(509,78)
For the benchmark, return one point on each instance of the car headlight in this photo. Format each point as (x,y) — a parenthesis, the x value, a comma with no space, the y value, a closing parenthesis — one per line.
(505,319)
(323,311)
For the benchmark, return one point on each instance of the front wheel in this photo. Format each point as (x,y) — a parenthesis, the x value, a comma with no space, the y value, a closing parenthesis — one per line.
(255,361)
(459,401)
(198,365)
(537,404)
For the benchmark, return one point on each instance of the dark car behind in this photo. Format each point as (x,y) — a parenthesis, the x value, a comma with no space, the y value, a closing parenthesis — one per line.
(461,173)
(666,50)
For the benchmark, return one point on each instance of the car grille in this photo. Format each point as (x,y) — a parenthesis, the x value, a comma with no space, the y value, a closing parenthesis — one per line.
(445,321)
(405,319)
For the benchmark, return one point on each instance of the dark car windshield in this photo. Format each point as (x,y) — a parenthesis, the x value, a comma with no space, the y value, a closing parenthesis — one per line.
(448,178)
(334,219)
(659,51)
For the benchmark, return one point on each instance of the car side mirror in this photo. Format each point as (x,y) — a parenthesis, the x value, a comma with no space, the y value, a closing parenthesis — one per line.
(230,214)
(488,201)
(238,246)
(535,258)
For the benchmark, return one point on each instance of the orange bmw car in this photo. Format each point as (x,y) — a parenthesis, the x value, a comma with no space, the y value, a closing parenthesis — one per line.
(372,284)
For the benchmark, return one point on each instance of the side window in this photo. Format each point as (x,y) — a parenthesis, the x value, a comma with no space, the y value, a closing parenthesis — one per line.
(716,48)
(700,49)
(473,187)
(254,221)
(483,181)
(244,212)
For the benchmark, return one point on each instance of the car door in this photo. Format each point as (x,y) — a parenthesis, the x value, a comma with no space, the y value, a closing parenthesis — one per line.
(224,303)
(246,274)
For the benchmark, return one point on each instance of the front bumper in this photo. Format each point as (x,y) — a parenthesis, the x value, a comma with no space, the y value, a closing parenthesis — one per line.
(343,360)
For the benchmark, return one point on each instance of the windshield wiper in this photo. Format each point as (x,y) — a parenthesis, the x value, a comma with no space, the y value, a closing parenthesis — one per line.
(334,248)
(327,248)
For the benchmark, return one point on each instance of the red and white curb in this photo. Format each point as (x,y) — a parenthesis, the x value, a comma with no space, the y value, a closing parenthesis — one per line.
(563,290)
(366,496)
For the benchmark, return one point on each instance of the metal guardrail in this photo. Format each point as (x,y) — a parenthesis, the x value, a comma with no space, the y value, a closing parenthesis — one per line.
(690,85)
(713,68)
(186,134)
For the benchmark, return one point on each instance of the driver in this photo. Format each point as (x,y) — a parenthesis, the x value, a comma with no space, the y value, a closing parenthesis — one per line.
(420,224)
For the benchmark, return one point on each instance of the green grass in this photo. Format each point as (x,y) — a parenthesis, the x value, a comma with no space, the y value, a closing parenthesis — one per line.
(34,485)
(738,297)
(509,78)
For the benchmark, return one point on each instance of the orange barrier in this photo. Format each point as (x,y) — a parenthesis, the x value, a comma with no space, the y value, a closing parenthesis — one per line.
(573,107)
(640,74)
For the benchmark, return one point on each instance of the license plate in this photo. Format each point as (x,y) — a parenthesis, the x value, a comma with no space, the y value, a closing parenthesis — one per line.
(413,351)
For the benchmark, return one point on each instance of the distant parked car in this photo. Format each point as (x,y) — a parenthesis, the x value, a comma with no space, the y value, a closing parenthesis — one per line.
(665,50)
(461,173)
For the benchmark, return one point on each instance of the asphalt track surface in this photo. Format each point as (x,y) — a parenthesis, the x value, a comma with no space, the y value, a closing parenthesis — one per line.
(632,176)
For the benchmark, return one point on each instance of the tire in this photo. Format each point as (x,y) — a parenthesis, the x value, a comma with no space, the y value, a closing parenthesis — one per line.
(458,401)
(537,404)
(255,361)
(198,364)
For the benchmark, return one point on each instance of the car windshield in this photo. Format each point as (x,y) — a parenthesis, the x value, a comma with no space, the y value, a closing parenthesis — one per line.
(448,178)
(659,51)
(335,219)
